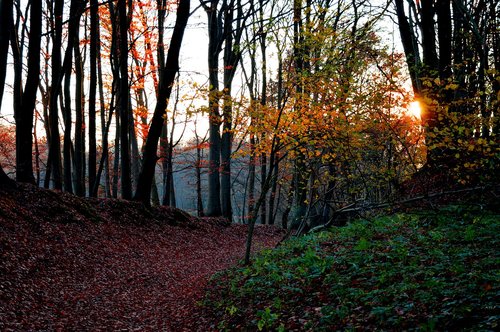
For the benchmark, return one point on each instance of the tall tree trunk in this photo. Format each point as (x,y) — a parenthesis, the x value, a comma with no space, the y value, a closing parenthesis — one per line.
(226,144)
(79,121)
(263,102)
(94,39)
(164,138)
(55,143)
(123,97)
(104,130)
(495,93)
(300,179)
(135,158)
(214,48)
(37,151)
(46,121)
(252,141)
(272,196)
(5,27)
(251,176)
(199,200)
(226,139)
(116,161)
(105,125)
(25,105)
(167,78)
(66,100)
(168,149)
(274,180)
(168,178)
(104,161)
(67,144)
(232,33)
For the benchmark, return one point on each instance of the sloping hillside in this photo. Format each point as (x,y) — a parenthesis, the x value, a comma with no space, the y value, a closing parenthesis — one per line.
(434,270)
(88,264)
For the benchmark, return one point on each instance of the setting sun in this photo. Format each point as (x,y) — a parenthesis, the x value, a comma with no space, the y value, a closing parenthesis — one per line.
(415,109)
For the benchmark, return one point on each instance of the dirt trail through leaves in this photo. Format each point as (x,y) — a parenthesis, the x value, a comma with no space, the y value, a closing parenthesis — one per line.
(75,264)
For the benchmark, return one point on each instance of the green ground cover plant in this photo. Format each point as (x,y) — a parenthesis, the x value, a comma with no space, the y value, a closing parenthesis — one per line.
(431,270)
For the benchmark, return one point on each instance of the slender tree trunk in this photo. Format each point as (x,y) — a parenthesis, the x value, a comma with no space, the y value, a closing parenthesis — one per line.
(116,162)
(164,158)
(104,162)
(79,121)
(168,179)
(272,196)
(94,39)
(123,97)
(252,140)
(226,145)
(48,165)
(495,93)
(171,147)
(199,200)
(67,144)
(134,149)
(300,179)
(274,181)
(37,151)
(66,100)
(104,131)
(251,177)
(263,102)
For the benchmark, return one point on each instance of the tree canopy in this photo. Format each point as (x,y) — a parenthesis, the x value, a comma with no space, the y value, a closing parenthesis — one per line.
(306,103)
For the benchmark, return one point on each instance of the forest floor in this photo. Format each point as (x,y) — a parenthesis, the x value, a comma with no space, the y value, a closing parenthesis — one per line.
(87,264)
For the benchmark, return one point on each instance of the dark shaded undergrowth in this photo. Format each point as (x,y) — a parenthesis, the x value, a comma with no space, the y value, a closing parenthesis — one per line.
(433,270)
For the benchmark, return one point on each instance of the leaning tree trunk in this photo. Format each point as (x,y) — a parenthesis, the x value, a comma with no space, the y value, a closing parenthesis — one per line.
(167,78)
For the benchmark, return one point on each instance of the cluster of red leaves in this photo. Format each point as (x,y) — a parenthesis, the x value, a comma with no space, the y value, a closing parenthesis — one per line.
(87,264)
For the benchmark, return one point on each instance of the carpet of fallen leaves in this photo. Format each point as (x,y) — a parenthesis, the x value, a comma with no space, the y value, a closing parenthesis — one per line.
(87,264)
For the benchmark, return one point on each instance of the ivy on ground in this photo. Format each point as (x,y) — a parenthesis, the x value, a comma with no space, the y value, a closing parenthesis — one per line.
(425,271)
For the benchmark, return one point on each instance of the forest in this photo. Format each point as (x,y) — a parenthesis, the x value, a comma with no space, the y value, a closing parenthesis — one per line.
(355,137)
